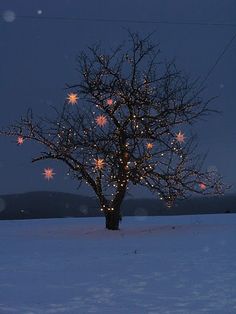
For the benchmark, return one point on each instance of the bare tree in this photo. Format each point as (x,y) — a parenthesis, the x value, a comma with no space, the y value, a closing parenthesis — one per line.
(124,123)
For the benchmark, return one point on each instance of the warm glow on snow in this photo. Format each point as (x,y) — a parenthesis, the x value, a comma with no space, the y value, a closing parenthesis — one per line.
(101,120)
(72,98)
(180,137)
(99,163)
(20,140)
(48,173)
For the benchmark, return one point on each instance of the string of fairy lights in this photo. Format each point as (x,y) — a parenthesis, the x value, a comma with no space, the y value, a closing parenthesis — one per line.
(99,163)
(101,120)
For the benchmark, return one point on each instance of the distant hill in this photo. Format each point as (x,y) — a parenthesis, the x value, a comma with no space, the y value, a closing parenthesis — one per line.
(47,205)
(56,204)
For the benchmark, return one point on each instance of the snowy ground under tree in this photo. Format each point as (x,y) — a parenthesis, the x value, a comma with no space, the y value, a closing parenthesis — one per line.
(184,264)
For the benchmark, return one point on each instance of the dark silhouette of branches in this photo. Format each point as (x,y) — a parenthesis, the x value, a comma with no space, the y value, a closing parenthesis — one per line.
(145,105)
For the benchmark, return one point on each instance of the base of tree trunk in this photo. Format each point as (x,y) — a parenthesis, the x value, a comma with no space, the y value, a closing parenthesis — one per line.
(112,220)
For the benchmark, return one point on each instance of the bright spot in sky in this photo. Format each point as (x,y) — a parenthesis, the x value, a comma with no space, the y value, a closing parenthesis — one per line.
(9,16)
(39,12)
(222,85)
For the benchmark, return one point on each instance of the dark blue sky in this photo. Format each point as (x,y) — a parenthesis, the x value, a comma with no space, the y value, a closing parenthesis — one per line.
(37,58)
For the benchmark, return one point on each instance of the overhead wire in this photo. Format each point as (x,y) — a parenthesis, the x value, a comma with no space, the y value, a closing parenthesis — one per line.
(103,20)
(165,22)
(106,20)
(226,47)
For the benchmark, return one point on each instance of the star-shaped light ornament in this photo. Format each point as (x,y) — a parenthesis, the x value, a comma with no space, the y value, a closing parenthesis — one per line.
(109,101)
(48,173)
(101,120)
(99,163)
(20,140)
(202,186)
(72,98)
(149,145)
(180,137)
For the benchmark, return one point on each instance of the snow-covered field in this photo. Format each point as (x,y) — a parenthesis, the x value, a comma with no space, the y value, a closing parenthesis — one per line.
(153,265)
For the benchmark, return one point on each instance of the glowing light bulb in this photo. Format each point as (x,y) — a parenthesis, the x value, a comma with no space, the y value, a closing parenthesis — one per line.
(20,140)
(109,101)
(202,186)
(48,173)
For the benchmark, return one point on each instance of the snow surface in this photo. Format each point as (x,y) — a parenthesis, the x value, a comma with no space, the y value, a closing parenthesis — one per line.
(181,264)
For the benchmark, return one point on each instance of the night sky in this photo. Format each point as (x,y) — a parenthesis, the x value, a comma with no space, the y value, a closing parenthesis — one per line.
(37,59)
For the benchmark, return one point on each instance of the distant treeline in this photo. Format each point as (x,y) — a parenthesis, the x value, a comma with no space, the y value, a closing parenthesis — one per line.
(56,204)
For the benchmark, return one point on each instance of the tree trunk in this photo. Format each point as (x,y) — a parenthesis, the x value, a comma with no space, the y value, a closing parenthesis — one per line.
(112,209)
(112,219)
